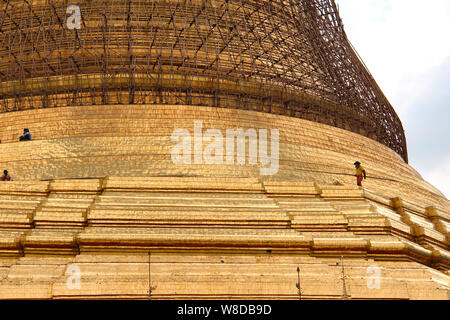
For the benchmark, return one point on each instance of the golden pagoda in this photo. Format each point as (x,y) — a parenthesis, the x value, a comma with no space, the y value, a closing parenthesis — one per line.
(133,187)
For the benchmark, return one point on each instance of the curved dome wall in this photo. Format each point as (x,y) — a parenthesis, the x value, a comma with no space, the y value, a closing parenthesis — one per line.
(135,141)
(113,90)
(282,57)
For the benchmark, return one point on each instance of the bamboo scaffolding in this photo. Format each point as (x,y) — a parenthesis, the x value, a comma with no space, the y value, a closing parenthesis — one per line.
(289,57)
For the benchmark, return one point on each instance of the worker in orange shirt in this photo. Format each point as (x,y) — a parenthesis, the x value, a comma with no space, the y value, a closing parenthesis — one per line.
(360,172)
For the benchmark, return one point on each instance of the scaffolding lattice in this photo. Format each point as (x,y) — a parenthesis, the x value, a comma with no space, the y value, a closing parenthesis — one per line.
(289,57)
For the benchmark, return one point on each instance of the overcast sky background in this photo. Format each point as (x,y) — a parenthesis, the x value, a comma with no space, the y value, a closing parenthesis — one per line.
(406,47)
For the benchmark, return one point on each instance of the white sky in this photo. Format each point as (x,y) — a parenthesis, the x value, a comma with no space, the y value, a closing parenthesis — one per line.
(406,46)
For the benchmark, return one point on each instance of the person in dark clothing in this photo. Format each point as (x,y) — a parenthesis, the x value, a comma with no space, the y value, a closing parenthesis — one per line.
(6,176)
(26,135)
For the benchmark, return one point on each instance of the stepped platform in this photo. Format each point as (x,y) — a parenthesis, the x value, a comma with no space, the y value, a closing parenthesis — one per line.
(230,238)
(97,191)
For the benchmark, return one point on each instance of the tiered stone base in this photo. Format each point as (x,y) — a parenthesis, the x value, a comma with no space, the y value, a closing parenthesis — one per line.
(169,238)
(138,226)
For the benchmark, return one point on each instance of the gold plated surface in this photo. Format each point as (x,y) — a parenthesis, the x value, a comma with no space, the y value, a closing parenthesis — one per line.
(116,206)
(206,238)
(97,194)
(283,57)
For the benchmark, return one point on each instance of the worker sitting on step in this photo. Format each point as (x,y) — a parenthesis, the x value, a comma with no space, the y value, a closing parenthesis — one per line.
(6,176)
(360,172)
(26,135)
